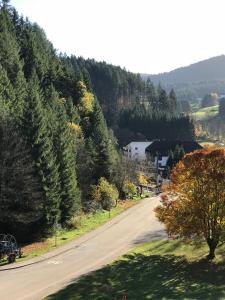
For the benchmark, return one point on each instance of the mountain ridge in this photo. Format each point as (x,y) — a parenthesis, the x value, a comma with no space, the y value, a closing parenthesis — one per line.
(196,79)
(211,60)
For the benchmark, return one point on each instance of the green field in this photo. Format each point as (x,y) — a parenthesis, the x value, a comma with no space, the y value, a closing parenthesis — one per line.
(205,113)
(156,270)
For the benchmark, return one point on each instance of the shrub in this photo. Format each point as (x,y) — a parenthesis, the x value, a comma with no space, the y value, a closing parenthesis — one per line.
(104,194)
(129,189)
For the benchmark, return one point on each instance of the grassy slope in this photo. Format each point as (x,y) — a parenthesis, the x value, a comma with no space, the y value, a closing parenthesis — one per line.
(156,270)
(205,113)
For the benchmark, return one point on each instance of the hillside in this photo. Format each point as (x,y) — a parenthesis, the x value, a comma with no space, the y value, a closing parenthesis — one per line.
(205,113)
(196,80)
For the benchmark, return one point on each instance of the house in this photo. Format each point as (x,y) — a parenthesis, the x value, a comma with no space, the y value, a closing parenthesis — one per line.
(158,151)
(136,150)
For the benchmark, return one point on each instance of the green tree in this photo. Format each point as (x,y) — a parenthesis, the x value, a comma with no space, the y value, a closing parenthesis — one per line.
(21,201)
(172,101)
(70,195)
(35,130)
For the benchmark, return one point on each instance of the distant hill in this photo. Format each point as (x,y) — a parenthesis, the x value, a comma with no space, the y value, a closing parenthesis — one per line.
(196,80)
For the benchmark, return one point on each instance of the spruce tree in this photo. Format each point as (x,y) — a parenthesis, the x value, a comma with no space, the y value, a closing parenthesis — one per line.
(102,145)
(172,101)
(9,48)
(65,151)
(21,201)
(7,93)
(35,129)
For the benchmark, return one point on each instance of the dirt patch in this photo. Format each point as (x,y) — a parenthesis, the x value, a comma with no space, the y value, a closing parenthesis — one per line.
(38,246)
(126,203)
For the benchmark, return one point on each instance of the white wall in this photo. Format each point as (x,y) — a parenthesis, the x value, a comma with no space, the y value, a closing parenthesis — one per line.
(136,150)
(162,161)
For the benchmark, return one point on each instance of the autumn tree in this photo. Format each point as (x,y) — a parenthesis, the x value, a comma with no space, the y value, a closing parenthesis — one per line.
(193,206)
(105,194)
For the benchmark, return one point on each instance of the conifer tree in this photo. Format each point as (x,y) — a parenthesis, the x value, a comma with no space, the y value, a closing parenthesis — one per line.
(163,104)
(35,129)
(21,201)
(7,92)
(9,48)
(65,152)
(103,154)
(172,101)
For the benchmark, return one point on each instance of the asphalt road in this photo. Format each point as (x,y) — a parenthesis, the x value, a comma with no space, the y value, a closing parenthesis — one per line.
(90,252)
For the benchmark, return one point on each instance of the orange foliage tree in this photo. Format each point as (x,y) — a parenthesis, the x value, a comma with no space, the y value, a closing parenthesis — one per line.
(193,205)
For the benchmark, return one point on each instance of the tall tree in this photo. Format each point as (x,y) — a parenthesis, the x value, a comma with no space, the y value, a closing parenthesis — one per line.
(172,101)
(21,202)
(65,145)
(35,129)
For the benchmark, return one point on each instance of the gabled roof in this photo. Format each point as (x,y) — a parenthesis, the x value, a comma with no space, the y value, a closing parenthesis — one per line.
(164,147)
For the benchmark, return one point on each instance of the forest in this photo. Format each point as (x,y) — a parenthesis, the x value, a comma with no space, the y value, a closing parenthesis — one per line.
(58,117)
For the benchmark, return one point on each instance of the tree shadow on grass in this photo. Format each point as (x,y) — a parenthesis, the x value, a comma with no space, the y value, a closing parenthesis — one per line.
(149,277)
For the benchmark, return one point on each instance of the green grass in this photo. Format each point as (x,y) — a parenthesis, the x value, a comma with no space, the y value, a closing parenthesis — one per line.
(156,270)
(205,113)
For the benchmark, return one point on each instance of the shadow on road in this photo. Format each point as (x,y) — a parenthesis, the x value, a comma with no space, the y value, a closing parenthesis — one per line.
(150,236)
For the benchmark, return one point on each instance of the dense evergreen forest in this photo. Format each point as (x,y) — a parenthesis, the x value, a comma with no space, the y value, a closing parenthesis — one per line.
(54,139)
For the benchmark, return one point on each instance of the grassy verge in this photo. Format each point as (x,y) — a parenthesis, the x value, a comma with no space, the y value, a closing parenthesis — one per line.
(156,270)
(85,223)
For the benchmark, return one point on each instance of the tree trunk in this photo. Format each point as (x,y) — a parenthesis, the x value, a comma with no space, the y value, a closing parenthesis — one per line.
(212,243)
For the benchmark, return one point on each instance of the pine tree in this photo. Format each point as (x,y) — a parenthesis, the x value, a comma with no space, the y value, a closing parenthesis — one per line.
(65,151)
(7,92)
(9,48)
(21,201)
(35,129)
(172,101)
(103,148)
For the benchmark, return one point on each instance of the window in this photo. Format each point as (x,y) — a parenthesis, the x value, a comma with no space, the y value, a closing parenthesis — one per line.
(136,148)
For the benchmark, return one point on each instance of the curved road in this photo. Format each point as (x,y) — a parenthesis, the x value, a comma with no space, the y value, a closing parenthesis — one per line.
(50,273)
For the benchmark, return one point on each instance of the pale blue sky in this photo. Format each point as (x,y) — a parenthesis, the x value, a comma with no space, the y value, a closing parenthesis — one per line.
(145,36)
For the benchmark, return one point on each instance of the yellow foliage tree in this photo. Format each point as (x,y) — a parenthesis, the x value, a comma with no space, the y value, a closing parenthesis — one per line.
(86,103)
(75,127)
(142,179)
(105,193)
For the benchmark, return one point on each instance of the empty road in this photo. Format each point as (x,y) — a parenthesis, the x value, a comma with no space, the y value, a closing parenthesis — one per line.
(87,253)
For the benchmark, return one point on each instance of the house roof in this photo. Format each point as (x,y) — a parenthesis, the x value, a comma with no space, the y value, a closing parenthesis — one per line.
(164,147)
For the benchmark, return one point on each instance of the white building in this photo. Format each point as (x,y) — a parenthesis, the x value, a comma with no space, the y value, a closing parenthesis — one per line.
(136,150)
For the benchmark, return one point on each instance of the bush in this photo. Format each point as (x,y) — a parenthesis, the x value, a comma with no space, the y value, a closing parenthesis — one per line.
(129,189)
(104,194)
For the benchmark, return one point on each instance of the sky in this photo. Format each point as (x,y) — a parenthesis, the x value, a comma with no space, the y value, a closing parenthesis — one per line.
(144,36)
